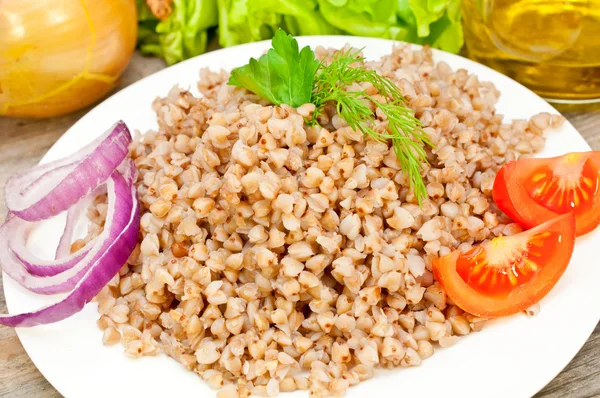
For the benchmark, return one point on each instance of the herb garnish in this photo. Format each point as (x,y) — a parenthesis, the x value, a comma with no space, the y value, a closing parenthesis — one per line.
(285,75)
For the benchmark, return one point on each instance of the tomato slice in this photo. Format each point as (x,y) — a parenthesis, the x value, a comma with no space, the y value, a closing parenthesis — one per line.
(510,273)
(533,191)
(500,195)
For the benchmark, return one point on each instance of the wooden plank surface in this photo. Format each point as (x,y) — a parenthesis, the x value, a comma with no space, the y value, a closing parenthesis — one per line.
(24,142)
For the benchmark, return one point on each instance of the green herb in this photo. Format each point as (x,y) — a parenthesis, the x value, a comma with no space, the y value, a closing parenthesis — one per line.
(180,35)
(403,128)
(284,75)
(433,22)
(243,21)
(182,29)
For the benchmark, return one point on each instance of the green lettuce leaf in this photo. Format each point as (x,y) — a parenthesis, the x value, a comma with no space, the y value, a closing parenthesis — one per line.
(446,33)
(243,21)
(235,27)
(284,75)
(364,18)
(433,22)
(182,35)
(146,22)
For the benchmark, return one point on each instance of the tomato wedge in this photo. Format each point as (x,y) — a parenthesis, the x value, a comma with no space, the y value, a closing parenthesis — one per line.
(510,273)
(533,191)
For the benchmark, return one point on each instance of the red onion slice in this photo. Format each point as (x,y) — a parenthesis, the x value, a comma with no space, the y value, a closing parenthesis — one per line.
(71,184)
(64,244)
(128,171)
(32,264)
(56,174)
(32,176)
(106,266)
(59,276)
(39,267)
(47,190)
(73,214)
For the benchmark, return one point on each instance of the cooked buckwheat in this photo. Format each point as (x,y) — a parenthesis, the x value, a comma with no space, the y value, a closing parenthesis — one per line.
(277,256)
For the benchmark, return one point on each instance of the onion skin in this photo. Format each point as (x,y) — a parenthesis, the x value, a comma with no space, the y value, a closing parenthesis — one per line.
(58,56)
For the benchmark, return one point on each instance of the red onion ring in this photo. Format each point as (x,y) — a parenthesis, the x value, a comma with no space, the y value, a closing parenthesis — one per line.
(39,267)
(106,266)
(62,275)
(48,190)
(32,264)
(64,244)
(71,184)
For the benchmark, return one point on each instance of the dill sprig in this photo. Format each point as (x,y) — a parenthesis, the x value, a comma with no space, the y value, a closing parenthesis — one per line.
(403,129)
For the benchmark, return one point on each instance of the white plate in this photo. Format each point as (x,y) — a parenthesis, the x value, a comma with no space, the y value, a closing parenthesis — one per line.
(514,357)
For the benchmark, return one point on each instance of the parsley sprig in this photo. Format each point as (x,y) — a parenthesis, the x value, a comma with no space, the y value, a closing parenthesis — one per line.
(284,75)
(287,75)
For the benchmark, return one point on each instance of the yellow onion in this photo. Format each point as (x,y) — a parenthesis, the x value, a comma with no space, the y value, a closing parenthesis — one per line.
(58,56)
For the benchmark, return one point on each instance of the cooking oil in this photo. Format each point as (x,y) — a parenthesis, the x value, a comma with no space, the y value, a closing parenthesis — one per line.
(550,46)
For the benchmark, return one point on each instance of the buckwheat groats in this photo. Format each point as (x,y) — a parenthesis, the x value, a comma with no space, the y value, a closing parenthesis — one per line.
(276,256)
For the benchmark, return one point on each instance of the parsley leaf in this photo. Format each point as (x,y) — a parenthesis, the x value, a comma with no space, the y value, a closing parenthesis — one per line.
(284,75)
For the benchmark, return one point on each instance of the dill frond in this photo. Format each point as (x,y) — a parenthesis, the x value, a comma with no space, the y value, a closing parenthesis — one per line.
(404,130)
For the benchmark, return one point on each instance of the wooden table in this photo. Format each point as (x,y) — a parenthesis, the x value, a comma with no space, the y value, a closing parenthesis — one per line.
(22,144)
